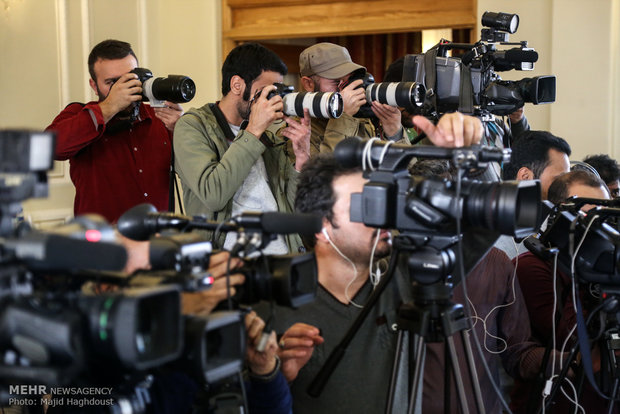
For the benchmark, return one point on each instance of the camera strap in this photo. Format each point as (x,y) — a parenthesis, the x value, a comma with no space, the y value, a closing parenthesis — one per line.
(466,95)
(223,124)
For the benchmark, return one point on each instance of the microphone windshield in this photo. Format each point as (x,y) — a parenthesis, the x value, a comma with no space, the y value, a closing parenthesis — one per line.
(135,223)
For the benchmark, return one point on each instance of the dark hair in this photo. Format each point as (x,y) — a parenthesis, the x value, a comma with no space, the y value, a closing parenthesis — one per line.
(394,72)
(248,61)
(108,50)
(606,167)
(558,190)
(531,149)
(430,168)
(315,193)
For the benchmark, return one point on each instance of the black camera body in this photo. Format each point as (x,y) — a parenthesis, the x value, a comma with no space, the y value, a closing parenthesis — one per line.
(174,88)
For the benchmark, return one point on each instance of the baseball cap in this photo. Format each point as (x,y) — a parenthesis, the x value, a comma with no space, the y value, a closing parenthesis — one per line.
(327,60)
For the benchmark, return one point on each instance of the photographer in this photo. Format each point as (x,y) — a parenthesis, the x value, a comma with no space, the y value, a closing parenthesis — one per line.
(326,67)
(539,288)
(344,250)
(227,167)
(119,148)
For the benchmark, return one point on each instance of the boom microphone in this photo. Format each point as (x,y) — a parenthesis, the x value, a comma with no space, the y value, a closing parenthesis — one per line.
(142,221)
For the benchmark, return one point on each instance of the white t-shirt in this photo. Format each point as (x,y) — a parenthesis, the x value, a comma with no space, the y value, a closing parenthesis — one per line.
(254,195)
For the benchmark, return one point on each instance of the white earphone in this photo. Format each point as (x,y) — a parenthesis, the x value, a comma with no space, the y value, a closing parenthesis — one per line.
(324,231)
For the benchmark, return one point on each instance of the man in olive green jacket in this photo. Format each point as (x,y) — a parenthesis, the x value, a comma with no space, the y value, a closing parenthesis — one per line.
(227,167)
(327,67)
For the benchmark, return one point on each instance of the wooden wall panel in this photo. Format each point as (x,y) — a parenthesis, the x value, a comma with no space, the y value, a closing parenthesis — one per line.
(274,19)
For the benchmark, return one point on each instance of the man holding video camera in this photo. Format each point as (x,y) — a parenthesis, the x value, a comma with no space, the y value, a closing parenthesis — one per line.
(326,67)
(119,149)
(227,160)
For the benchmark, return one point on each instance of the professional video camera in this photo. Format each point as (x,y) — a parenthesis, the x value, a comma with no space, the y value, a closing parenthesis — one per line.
(174,88)
(394,199)
(290,280)
(470,84)
(319,104)
(597,258)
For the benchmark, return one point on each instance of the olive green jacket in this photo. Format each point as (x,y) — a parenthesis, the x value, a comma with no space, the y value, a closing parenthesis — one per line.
(211,170)
(327,133)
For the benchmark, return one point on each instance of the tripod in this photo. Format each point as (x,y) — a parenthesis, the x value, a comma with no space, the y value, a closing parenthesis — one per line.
(434,318)
(431,317)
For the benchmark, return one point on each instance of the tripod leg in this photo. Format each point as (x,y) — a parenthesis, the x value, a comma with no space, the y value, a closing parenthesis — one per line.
(394,376)
(472,370)
(458,379)
(418,375)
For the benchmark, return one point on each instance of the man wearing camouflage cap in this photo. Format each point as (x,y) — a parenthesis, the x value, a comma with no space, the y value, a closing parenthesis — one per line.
(326,67)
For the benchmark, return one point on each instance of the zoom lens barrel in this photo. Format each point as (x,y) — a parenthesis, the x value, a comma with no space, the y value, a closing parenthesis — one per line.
(319,104)
(408,95)
(174,88)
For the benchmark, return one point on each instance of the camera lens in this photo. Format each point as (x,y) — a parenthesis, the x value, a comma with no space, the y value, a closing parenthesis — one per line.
(319,104)
(408,95)
(509,207)
(174,88)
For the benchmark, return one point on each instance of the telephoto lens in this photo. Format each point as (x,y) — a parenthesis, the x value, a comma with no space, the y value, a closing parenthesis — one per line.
(319,104)
(408,95)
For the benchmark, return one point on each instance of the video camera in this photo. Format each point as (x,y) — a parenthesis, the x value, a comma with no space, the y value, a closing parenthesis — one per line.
(426,209)
(174,88)
(289,280)
(319,104)
(470,84)
(57,332)
(589,241)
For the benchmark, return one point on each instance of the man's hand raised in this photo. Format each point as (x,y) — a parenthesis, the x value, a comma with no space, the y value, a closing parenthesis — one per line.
(453,130)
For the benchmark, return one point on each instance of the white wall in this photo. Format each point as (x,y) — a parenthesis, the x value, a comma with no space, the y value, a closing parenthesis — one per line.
(578,42)
(44,46)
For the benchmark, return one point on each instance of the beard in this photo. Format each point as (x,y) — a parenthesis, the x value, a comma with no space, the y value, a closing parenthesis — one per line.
(243,109)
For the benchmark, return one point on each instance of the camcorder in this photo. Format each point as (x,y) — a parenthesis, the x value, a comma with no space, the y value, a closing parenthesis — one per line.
(425,210)
(319,104)
(174,88)
(471,84)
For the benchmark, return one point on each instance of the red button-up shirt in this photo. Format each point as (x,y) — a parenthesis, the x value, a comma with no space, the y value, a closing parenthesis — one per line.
(113,172)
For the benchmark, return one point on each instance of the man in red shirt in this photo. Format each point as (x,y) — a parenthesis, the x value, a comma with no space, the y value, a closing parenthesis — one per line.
(119,149)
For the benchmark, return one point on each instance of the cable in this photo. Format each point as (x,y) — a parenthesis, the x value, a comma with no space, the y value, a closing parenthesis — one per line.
(375,278)
(346,289)
(459,251)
